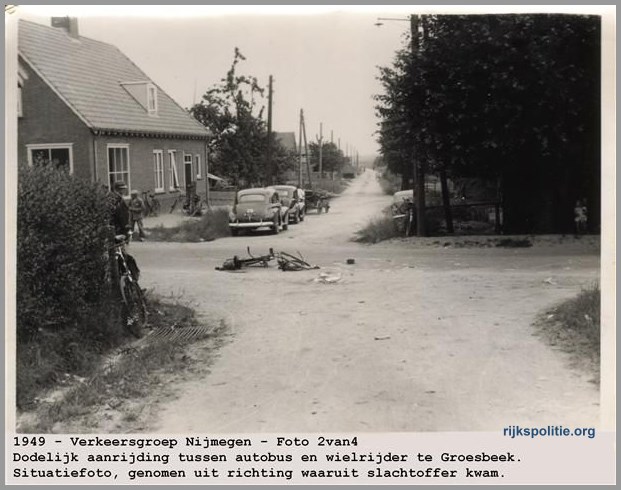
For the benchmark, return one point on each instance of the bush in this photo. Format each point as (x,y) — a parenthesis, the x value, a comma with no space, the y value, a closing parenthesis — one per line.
(64,305)
(574,326)
(213,224)
(389,182)
(378,229)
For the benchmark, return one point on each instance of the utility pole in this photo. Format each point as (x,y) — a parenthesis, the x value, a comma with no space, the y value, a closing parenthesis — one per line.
(270,170)
(419,175)
(306,156)
(320,141)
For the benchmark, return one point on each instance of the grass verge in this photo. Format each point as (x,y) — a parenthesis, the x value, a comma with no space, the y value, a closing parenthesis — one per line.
(213,224)
(574,326)
(132,372)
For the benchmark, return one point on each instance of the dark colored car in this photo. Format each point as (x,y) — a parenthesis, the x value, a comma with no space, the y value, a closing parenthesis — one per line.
(258,208)
(292,197)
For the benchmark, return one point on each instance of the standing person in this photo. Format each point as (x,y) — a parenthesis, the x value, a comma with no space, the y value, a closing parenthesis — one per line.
(137,209)
(119,211)
(580,217)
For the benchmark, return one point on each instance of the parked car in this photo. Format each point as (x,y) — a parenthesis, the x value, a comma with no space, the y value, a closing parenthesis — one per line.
(258,208)
(292,197)
(401,200)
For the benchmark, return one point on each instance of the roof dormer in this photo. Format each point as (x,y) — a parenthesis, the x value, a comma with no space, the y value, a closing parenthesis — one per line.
(145,93)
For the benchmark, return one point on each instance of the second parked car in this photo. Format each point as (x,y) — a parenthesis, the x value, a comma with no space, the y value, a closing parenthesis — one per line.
(292,197)
(258,208)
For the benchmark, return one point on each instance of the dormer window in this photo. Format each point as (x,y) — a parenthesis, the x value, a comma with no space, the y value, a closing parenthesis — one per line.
(145,93)
(152,98)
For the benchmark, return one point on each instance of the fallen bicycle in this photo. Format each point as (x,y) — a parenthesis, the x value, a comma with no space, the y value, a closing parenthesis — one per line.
(286,262)
(236,263)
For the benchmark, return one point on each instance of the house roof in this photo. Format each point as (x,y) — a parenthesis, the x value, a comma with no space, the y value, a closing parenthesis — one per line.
(88,75)
(287,140)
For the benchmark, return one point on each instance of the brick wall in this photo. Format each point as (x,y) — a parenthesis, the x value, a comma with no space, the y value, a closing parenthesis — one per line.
(47,120)
(141,161)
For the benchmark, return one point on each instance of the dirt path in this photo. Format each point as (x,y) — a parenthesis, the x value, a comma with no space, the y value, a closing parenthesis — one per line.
(410,339)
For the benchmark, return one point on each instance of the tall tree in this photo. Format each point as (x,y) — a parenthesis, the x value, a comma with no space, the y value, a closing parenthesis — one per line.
(507,97)
(233,111)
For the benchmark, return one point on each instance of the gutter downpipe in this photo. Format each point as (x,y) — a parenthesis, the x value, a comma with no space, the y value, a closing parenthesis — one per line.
(95,175)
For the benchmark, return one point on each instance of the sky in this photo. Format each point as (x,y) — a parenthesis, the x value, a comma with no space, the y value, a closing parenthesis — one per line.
(323,59)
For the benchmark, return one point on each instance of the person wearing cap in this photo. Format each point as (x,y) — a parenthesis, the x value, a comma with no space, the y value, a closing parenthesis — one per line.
(136,211)
(119,210)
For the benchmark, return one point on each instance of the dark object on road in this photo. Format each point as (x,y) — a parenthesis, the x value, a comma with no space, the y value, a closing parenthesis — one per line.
(288,262)
(236,263)
(515,243)
(351,261)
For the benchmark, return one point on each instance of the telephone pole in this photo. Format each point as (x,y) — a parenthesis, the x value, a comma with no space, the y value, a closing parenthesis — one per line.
(320,140)
(270,170)
(419,174)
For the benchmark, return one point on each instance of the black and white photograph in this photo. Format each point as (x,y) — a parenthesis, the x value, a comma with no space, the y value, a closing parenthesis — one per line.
(355,219)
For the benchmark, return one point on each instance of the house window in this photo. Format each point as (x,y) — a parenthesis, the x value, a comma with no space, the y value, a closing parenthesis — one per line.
(118,165)
(59,155)
(152,99)
(158,168)
(197,165)
(172,168)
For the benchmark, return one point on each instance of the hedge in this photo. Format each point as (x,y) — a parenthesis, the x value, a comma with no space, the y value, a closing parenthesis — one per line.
(64,303)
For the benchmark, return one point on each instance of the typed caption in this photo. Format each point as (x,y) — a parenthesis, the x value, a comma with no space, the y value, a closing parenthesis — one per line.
(429,458)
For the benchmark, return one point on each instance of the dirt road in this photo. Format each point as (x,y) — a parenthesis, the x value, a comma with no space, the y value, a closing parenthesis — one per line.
(411,338)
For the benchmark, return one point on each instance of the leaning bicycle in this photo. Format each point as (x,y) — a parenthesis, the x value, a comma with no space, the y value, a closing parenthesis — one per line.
(134,308)
(151,204)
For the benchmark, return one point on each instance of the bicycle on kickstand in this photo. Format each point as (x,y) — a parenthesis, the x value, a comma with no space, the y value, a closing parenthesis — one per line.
(151,204)
(134,308)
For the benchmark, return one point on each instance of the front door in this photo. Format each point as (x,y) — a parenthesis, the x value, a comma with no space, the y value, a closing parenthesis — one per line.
(188,173)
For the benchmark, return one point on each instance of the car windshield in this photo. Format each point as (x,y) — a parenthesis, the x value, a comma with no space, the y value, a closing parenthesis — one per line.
(284,192)
(252,198)
(400,196)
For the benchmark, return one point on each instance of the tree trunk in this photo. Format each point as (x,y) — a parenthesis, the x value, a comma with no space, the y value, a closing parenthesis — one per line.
(446,202)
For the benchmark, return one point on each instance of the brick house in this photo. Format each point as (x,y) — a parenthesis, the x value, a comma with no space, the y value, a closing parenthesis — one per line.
(87,108)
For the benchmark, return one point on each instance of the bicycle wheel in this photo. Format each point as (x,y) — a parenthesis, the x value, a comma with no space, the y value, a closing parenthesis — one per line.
(135,311)
(155,207)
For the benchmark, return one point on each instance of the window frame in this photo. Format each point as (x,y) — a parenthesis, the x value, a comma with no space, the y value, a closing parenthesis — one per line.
(50,146)
(173,173)
(121,146)
(197,163)
(158,170)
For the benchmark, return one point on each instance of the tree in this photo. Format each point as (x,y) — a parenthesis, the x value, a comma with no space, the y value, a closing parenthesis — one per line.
(332,158)
(511,98)
(233,111)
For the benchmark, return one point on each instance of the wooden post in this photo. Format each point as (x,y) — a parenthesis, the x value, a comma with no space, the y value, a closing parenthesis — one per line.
(446,202)
(270,170)
(419,174)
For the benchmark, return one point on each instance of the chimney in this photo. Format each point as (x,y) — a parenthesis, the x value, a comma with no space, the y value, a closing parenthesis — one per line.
(69,24)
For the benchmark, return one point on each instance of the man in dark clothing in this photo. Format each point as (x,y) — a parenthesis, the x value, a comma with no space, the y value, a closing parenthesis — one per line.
(119,209)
